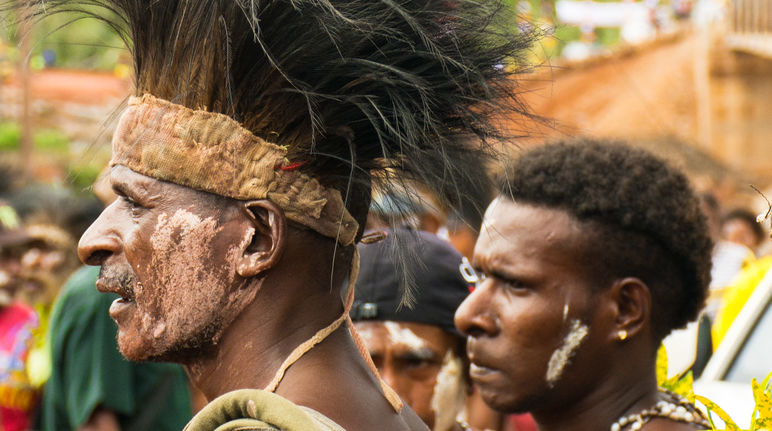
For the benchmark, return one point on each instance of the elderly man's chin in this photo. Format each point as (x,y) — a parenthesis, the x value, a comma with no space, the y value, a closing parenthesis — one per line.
(136,344)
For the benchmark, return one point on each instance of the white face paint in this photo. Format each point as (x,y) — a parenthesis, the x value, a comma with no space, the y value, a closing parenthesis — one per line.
(449,393)
(179,304)
(562,356)
(489,220)
(402,335)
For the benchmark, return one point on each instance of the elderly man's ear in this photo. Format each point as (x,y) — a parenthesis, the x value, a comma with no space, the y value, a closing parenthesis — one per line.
(265,239)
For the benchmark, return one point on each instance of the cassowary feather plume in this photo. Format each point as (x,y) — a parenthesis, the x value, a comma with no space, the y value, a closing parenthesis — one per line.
(359,91)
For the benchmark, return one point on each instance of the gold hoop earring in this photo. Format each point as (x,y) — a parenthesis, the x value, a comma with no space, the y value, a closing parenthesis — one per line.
(622,334)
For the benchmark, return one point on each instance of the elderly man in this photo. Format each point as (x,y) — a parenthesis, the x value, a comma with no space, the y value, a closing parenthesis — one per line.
(417,350)
(244,166)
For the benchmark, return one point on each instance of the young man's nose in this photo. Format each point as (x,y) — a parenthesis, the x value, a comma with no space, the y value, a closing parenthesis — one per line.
(474,317)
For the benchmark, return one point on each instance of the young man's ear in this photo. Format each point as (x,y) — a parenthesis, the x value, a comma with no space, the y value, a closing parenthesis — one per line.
(268,238)
(632,307)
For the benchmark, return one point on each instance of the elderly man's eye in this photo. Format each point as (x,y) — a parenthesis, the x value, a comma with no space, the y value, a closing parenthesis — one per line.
(134,207)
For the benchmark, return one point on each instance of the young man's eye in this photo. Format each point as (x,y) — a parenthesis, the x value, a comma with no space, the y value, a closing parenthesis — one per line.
(510,282)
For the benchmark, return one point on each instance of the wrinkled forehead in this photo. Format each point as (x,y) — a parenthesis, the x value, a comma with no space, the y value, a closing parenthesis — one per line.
(124,179)
(127,182)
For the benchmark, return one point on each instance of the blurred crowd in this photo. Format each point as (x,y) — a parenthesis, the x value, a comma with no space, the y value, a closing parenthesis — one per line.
(60,367)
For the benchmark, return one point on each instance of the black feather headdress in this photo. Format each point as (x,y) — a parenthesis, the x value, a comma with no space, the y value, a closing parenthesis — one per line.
(411,87)
(361,93)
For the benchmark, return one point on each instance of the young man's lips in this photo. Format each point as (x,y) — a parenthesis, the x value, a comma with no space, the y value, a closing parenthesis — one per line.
(480,372)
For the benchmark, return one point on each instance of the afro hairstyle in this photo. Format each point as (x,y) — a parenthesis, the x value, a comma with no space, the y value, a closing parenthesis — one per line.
(639,216)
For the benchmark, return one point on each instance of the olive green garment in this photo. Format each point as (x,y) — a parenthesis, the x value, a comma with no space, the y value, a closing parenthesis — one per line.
(89,372)
(258,410)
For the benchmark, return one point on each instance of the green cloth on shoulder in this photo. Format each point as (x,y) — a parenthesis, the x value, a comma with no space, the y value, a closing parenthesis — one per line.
(88,371)
(258,410)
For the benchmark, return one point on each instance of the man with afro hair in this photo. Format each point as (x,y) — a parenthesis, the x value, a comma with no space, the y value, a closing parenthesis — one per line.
(592,253)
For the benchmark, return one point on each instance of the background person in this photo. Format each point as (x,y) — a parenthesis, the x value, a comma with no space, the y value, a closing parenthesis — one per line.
(592,254)
(417,350)
(740,227)
(18,396)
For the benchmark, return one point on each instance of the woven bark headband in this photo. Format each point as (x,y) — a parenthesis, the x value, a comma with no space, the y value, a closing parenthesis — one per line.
(213,153)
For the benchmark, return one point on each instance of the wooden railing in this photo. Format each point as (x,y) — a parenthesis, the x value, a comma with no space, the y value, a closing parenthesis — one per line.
(750,27)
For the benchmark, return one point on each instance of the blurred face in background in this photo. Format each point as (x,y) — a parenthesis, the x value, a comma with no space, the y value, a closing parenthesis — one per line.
(422,364)
(738,231)
(10,265)
(46,263)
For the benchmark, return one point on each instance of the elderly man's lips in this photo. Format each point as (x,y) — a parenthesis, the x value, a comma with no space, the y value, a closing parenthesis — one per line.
(119,307)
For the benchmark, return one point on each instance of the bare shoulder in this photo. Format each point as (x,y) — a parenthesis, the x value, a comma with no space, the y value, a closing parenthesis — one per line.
(334,380)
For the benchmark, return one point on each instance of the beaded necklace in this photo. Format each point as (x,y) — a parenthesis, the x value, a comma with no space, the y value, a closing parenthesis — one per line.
(676,408)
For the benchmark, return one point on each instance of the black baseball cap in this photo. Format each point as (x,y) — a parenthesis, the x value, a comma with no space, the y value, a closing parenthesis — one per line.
(439,286)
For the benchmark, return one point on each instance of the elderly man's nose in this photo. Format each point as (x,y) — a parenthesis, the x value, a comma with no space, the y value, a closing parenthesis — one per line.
(99,242)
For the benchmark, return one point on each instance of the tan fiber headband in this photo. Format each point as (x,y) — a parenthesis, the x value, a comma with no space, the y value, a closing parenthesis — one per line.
(214,153)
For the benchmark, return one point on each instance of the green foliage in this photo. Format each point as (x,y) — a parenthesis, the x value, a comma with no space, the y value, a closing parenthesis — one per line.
(567,33)
(84,43)
(49,140)
(682,385)
(78,42)
(761,418)
(10,136)
(81,177)
(608,36)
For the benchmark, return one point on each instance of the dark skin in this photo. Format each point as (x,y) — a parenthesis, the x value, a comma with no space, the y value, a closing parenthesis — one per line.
(259,288)
(537,283)
(410,364)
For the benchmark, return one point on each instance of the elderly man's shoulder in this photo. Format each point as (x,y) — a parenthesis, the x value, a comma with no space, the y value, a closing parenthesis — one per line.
(250,409)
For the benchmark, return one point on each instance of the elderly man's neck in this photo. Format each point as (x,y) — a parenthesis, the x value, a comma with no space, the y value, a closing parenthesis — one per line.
(252,349)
